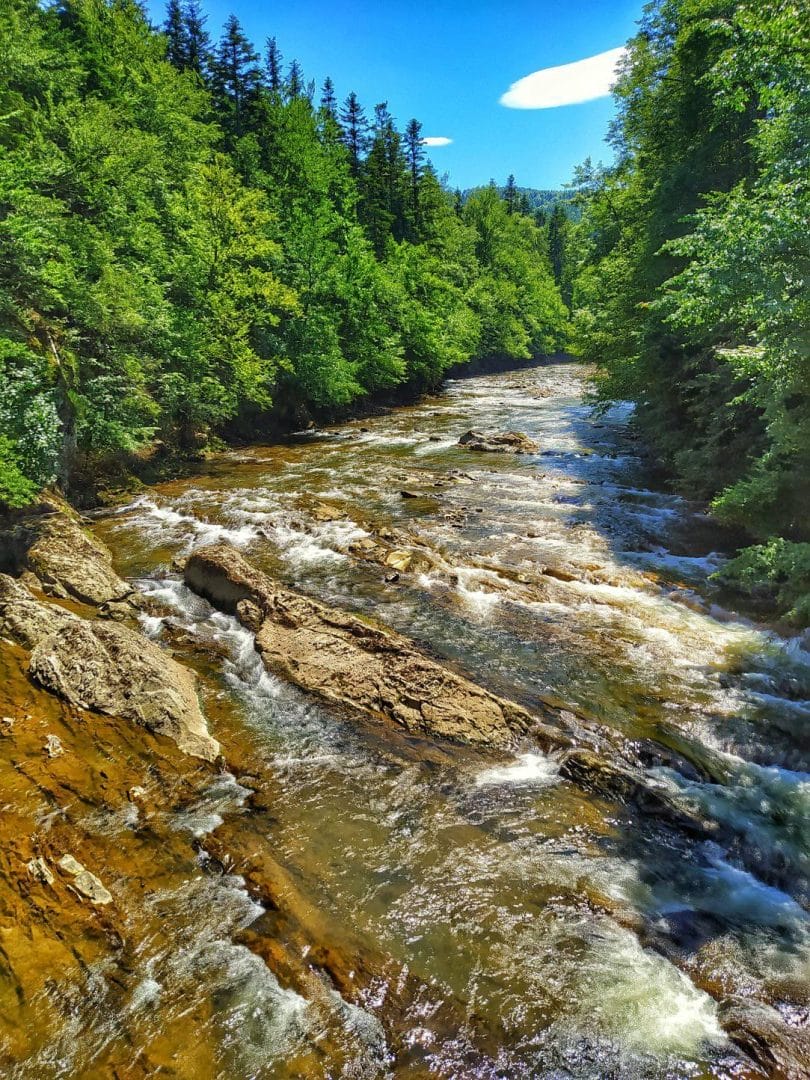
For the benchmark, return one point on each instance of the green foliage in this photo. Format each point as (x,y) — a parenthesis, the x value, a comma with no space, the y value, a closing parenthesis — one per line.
(779,567)
(186,241)
(692,256)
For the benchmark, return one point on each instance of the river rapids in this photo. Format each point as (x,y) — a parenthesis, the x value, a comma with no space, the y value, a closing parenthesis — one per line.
(551,932)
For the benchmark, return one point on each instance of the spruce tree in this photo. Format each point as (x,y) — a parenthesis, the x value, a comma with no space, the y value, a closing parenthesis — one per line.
(272,64)
(355,130)
(175,29)
(510,194)
(197,40)
(235,78)
(415,156)
(328,99)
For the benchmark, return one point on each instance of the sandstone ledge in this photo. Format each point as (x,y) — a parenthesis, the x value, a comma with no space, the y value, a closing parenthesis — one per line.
(346,661)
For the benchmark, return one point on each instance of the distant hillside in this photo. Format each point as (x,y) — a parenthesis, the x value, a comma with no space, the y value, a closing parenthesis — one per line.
(538,198)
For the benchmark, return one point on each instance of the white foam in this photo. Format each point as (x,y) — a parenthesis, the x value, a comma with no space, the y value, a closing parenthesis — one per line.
(535,769)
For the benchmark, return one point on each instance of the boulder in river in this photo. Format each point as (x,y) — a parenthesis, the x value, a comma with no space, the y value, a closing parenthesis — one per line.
(782,1050)
(26,620)
(346,661)
(113,670)
(105,667)
(69,561)
(506,442)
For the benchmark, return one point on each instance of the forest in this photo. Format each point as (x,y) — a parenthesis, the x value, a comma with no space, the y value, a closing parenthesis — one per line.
(197,243)
(194,241)
(691,270)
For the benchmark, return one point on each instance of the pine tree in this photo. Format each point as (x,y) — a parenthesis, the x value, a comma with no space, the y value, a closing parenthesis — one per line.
(355,130)
(235,77)
(198,42)
(272,64)
(175,29)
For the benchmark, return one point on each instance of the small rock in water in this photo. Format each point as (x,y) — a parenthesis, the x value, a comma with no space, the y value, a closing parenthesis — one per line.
(53,746)
(84,882)
(409,494)
(40,871)
(507,442)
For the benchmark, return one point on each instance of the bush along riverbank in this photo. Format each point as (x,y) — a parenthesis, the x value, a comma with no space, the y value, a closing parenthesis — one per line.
(690,271)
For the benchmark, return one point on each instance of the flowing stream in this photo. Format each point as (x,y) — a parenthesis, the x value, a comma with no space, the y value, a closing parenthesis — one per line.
(574,936)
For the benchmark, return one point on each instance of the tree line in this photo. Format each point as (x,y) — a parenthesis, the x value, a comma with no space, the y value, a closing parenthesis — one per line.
(194,241)
(691,268)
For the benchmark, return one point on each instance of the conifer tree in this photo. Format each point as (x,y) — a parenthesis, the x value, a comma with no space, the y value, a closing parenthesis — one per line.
(355,130)
(510,194)
(176,33)
(197,39)
(328,99)
(415,156)
(272,64)
(235,77)
(295,81)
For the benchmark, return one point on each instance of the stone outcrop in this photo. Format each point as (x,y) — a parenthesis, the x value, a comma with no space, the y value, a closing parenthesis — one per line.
(69,561)
(782,1050)
(506,442)
(50,542)
(24,619)
(111,669)
(105,667)
(348,662)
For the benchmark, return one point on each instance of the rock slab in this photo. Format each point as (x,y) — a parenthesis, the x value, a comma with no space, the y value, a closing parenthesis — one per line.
(348,662)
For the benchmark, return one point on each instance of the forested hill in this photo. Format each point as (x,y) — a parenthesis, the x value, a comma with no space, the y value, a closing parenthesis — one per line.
(192,237)
(692,268)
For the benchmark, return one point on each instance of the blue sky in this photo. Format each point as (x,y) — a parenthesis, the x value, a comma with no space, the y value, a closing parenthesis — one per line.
(448,63)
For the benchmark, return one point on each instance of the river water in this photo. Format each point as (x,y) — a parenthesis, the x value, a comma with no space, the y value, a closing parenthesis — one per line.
(552,932)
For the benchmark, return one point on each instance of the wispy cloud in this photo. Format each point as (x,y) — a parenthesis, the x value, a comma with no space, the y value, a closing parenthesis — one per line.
(568,84)
(436,140)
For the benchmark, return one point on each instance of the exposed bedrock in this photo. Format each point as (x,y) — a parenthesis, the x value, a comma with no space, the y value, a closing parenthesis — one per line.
(349,662)
(106,668)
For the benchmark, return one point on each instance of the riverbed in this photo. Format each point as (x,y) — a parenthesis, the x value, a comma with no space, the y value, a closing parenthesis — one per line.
(513,923)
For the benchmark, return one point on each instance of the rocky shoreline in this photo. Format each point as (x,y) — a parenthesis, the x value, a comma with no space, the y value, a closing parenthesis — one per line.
(101,718)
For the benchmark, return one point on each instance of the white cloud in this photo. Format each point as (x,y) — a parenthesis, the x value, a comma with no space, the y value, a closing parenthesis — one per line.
(436,140)
(568,84)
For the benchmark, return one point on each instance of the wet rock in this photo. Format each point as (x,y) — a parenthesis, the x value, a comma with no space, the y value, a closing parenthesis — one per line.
(53,746)
(40,871)
(781,1050)
(348,662)
(26,620)
(112,670)
(84,882)
(405,494)
(324,512)
(507,442)
(594,773)
(69,561)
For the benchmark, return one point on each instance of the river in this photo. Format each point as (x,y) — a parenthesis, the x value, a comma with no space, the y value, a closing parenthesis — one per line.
(545,931)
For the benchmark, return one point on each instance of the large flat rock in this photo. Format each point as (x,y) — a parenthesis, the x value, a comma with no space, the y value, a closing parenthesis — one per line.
(345,660)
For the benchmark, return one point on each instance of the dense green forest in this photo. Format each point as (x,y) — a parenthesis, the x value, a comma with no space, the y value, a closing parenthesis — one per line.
(193,241)
(691,268)
(197,243)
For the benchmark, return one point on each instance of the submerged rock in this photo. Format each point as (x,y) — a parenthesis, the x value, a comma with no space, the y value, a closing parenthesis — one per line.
(111,669)
(507,442)
(782,1050)
(348,662)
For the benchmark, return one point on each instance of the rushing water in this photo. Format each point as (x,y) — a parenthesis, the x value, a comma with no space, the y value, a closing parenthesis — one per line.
(574,937)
